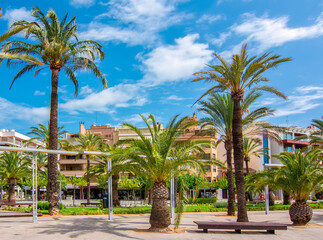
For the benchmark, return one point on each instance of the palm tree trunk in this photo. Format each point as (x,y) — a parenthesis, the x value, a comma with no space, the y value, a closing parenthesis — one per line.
(238,158)
(246,159)
(231,197)
(160,216)
(53,195)
(115,179)
(88,194)
(12,184)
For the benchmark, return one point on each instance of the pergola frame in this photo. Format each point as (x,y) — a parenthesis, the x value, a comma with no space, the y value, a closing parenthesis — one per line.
(35,151)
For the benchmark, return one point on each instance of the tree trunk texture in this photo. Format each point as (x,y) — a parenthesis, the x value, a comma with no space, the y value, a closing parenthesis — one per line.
(238,160)
(12,184)
(53,195)
(115,179)
(88,193)
(231,197)
(247,164)
(300,212)
(160,216)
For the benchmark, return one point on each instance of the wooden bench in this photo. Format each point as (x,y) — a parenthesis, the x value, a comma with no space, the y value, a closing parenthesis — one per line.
(90,204)
(238,226)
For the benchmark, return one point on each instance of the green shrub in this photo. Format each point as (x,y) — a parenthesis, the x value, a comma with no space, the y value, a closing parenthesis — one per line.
(220,205)
(45,205)
(202,200)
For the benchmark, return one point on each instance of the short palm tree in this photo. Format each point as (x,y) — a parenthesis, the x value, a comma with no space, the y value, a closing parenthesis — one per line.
(88,142)
(81,184)
(300,175)
(13,166)
(54,42)
(219,111)
(243,74)
(41,133)
(159,159)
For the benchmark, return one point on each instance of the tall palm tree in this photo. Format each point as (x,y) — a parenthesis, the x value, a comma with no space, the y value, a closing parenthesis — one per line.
(159,159)
(42,133)
(243,74)
(13,166)
(300,175)
(88,142)
(54,42)
(219,110)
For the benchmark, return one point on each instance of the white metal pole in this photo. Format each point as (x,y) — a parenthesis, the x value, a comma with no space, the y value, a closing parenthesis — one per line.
(267,199)
(34,188)
(172,197)
(110,201)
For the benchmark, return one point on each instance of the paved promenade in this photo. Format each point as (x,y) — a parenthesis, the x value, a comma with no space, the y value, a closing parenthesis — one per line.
(133,227)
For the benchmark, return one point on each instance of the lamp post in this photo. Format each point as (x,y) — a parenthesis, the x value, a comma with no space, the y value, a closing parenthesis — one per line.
(60,190)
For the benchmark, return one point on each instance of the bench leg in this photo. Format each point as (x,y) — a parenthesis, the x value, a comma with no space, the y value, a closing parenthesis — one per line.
(205,230)
(238,230)
(271,231)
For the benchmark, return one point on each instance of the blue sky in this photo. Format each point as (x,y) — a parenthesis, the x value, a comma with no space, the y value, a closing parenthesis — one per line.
(152,48)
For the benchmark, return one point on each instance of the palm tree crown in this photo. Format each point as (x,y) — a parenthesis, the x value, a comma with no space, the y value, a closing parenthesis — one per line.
(55,44)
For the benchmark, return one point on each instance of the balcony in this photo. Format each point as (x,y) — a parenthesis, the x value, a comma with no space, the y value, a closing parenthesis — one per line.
(295,142)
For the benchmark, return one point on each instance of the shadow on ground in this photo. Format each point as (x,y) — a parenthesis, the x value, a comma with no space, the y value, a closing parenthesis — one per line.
(75,228)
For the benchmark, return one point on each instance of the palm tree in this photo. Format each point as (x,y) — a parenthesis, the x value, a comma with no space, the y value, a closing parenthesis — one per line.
(42,134)
(251,146)
(243,74)
(3,182)
(219,109)
(88,142)
(13,166)
(317,136)
(56,45)
(300,175)
(159,159)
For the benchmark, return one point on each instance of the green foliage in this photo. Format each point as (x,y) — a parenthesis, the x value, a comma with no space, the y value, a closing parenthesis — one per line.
(190,179)
(202,200)
(133,183)
(301,174)
(14,165)
(45,205)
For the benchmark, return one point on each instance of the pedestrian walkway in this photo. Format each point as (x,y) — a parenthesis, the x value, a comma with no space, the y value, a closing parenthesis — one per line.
(133,227)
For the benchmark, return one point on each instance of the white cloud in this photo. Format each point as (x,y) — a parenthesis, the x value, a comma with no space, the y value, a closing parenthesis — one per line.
(222,38)
(209,18)
(86,90)
(17,14)
(39,93)
(122,95)
(12,111)
(136,118)
(271,32)
(143,20)
(176,62)
(303,99)
(175,98)
(82,3)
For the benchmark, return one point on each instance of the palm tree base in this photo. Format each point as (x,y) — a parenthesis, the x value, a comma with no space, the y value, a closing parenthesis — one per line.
(300,212)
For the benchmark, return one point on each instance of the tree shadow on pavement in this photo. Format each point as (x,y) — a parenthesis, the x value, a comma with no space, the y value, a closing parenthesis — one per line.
(75,228)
